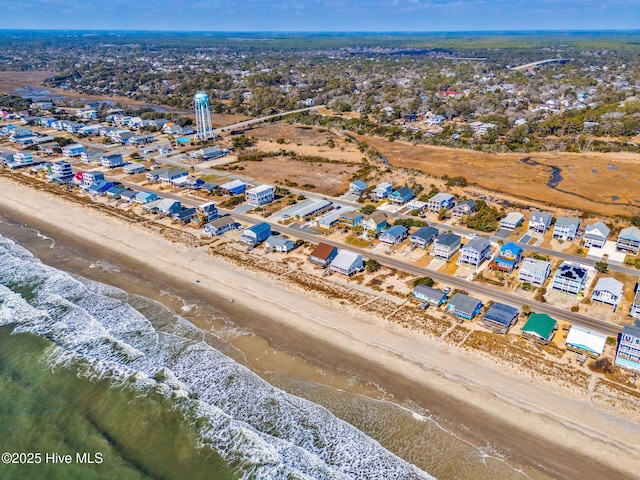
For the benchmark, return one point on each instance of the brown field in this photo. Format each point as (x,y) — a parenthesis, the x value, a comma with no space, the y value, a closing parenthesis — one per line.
(327,178)
(607,184)
(9,81)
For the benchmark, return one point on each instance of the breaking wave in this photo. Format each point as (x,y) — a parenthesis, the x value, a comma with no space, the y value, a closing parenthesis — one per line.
(104,333)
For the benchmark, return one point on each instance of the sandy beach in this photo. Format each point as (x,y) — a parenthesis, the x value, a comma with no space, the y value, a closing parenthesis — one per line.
(538,426)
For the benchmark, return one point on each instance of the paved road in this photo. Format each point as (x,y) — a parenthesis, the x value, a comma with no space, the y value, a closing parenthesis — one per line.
(540,62)
(248,123)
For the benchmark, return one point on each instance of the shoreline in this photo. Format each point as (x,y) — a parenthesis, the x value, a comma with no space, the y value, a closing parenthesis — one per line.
(406,364)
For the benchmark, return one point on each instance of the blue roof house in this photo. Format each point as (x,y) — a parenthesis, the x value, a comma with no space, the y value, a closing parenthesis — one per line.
(401,196)
(99,187)
(357,187)
(394,235)
(508,258)
(423,236)
(256,234)
(500,317)
(145,197)
(464,306)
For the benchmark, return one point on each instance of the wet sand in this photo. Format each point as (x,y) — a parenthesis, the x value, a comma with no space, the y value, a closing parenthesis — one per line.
(398,376)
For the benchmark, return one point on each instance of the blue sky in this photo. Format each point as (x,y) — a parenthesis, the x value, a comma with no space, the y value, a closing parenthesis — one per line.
(321,15)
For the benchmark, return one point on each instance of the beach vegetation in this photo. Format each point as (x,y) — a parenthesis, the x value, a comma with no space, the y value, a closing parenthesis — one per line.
(426,281)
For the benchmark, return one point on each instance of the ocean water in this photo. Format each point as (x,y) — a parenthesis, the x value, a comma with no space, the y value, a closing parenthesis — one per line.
(89,368)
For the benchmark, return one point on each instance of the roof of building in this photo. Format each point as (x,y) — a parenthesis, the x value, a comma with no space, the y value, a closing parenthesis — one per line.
(403,192)
(538,216)
(232,185)
(128,193)
(630,233)
(261,227)
(540,324)
(278,241)
(351,214)
(359,184)
(501,313)
(345,259)
(568,222)
(396,231)
(512,247)
(571,271)
(378,217)
(479,244)
(448,239)
(168,203)
(312,208)
(467,203)
(221,222)
(598,229)
(632,329)
(384,186)
(429,292)
(512,218)
(584,339)
(610,285)
(426,233)
(534,265)
(441,197)
(464,303)
(323,251)
(261,188)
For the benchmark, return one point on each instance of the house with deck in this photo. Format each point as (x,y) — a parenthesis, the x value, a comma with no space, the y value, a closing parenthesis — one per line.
(234,187)
(628,353)
(570,277)
(357,187)
(608,290)
(21,159)
(169,206)
(208,153)
(423,236)
(540,328)
(347,263)
(512,221)
(349,219)
(401,196)
(323,254)
(507,259)
(61,171)
(540,221)
(429,295)
(72,150)
(171,174)
(629,240)
(208,211)
(382,191)
(566,228)
(534,271)
(218,226)
(464,306)
(260,195)
(375,223)
(584,341)
(278,243)
(463,209)
(145,197)
(113,160)
(500,317)
(134,168)
(91,156)
(99,187)
(394,235)
(330,218)
(256,234)
(475,252)
(595,235)
(445,245)
(440,201)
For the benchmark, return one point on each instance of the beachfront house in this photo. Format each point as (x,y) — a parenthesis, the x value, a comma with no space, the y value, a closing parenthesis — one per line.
(474,252)
(595,236)
(256,234)
(566,228)
(134,168)
(91,156)
(170,206)
(61,171)
(629,240)
(401,196)
(323,254)
(128,195)
(100,187)
(464,306)
(234,187)
(113,160)
(72,150)
(278,243)
(540,328)
(439,201)
(423,237)
(20,159)
(512,221)
(395,234)
(349,219)
(260,195)
(382,191)
(570,277)
(507,259)
(445,245)
(208,211)
(114,192)
(218,226)
(145,197)
(375,223)
(500,317)
(357,187)
(608,290)
(534,271)
(583,341)
(429,295)
(463,208)
(628,353)
(539,221)
(347,263)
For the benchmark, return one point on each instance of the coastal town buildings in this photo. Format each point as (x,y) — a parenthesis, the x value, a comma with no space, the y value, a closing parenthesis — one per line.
(566,228)
(570,277)
(260,195)
(534,271)
(595,235)
(629,240)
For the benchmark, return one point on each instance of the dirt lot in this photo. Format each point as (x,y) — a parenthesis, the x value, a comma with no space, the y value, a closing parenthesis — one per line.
(326,178)
(607,184)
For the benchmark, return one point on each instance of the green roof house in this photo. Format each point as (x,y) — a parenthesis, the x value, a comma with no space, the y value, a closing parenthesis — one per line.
(539,328)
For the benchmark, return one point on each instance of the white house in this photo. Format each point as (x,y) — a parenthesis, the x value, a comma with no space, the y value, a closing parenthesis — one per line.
(539,221)
(382,190)
(608,290)
(73,150)
(534,271)
(566,228)
(595,235)
(475,252)
(260,195)
(512,221)
(439,201)
(346,263)
(570,277)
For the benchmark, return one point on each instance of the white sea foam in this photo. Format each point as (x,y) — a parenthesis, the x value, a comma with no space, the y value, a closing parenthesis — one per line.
(269,433)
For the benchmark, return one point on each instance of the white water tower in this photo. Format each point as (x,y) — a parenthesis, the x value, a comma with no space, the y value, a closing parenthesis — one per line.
(204,130)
